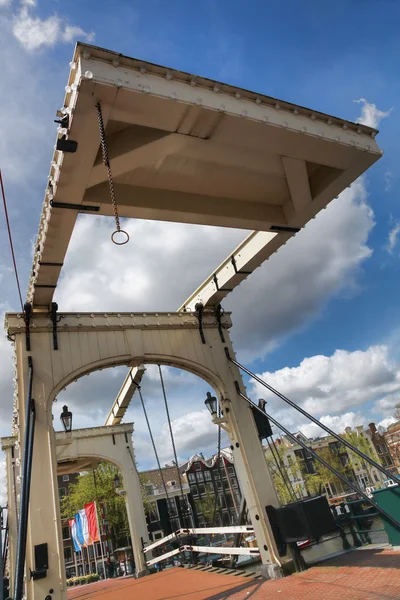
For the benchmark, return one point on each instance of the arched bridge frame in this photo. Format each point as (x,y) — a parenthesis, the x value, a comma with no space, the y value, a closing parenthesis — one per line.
(89,342)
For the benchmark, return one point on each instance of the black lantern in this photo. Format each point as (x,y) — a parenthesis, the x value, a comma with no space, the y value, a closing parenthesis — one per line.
(211,403)
(117,481)
(66,419)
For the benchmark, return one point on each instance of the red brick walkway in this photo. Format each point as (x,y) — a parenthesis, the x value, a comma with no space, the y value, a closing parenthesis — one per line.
(360,575)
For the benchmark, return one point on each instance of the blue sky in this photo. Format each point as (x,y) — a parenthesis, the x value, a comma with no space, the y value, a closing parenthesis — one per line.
(317,54)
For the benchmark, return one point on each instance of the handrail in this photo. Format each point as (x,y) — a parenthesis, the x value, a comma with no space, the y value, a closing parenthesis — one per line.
(313,419)
(385,514)
(30,416)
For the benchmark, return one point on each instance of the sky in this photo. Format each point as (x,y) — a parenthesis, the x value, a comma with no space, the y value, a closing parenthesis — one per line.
(319,320)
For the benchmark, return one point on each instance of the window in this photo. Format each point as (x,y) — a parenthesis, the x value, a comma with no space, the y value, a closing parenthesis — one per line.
(65,532)
(202,488)
(65,477)
(197,466)
(194,490)
(234,483)
(153,513)
(61,492)
(210,488)
(68,554)
(387,461)
(207,475)
(200,476)
(344,459)
(335,448)
(376,477)
(158,535)
(191,478)
(231,471)
(172,507)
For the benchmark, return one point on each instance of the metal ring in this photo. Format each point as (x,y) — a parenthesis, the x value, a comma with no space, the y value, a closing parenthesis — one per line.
(120,243)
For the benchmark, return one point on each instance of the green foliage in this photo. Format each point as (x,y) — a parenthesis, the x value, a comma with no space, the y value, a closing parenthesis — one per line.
(396,413)
(206,506)
(83,579)
(286,492)
(317,482)
(98,486)
(361,443)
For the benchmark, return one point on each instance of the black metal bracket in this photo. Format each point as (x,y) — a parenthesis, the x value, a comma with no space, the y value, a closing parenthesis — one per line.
(219,311)
(54,309)
(38,574)
(215,280)
(198,311)
(284,229)
(233,261)
(65,145)
(28,315)
(80,207)
(64,121)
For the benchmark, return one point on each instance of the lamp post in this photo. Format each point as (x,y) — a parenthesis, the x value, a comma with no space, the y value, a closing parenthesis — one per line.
(211,403)
(117,481)
(66,419)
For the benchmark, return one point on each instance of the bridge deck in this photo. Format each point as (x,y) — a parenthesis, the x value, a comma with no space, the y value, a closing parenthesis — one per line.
(359,575)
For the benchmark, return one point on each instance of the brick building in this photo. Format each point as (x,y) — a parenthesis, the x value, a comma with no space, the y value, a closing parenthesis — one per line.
(382,448)
(168,512)
(207,479)
(392,439)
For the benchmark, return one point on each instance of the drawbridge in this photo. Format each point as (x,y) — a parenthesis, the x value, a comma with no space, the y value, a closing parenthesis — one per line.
(138,140)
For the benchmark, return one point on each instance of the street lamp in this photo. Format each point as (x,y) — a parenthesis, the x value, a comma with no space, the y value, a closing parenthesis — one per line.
(211,403)
(66,419)
(117,481)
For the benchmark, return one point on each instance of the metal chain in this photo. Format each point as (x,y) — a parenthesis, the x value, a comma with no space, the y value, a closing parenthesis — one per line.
(106,163)
(184,506)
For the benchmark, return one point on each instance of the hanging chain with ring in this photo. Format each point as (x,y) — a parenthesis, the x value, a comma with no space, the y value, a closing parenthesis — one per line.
(106,162)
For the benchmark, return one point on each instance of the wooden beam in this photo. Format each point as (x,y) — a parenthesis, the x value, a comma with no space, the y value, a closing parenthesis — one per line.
(167,205)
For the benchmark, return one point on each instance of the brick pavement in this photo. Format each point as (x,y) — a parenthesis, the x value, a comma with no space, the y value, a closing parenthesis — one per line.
(359,575)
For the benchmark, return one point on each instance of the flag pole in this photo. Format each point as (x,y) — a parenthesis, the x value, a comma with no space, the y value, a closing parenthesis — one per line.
(101,542)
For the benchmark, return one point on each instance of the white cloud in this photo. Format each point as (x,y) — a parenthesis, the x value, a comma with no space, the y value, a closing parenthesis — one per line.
(337,423)
(32,32)
(326,386)
(165,262)
(71,33)
(5,3)
(386,422)
(389,178)
(393,238)
(370,115)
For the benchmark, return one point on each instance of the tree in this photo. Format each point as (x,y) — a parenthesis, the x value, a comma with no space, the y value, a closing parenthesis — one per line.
(323,478)
(98,485)
(207,507)
(396,413)
(287,491)
(362,443)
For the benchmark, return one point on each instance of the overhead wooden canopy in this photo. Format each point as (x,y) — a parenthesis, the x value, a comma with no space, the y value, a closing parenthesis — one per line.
(190,150)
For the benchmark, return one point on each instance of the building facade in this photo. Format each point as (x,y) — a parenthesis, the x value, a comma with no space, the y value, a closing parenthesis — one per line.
(383,450)
(215,489)
(392,439)
(297,464)
(169,508)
